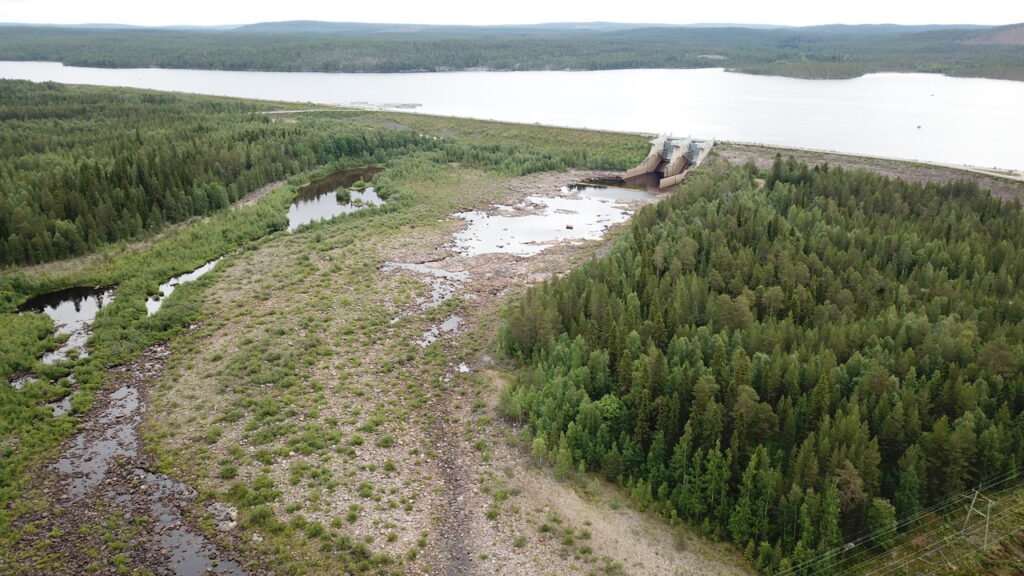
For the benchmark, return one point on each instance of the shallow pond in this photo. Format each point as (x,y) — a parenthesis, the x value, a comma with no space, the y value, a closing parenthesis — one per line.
(189,553)
(73,311)
(582,212)
(60,407)
(92,465)
(88,457)
(443,283)
(650,182)
(450,325)
(623,193)
(325,198)
(153,303)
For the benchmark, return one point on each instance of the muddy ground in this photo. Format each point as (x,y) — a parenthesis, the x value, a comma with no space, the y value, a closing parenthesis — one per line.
(106,509)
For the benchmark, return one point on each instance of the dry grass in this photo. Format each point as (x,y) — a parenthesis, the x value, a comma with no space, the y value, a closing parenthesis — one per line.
(298,375)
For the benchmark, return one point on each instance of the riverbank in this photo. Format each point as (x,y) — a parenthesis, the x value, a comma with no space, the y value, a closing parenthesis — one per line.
(806,52)
(927,117)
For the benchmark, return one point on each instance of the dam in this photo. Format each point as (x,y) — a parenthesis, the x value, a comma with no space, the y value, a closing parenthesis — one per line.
(671,158)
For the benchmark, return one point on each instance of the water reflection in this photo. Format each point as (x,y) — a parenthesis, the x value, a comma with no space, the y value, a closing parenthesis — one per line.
(153,303)
(450,325)
(443,283)
(73,311)
(650,182)
(539,222)
(327,206)
(331,196)
(615,193)
(962,120)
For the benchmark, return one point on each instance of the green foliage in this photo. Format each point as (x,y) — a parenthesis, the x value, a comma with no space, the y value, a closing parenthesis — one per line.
(85,167)
(261,491)
(881,522)
(789,365)
(26,337)
(818,52)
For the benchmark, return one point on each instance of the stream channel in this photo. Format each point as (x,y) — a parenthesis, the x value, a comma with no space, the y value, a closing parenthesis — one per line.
(104,463)
(73,310)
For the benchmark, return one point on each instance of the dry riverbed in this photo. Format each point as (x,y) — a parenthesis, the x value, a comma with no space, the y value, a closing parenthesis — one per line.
(336,411)
(105,510)
(313,374)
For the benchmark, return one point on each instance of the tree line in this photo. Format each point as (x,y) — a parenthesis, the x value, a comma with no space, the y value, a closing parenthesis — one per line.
(820,52)
(86,167)
(789,365)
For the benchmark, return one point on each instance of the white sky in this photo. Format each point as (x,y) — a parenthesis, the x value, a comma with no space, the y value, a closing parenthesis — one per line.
(787,12)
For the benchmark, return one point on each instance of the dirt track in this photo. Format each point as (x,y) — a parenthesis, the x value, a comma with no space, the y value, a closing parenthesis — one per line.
(1010,187)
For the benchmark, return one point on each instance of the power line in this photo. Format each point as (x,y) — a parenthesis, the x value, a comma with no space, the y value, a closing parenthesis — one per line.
(940,544)
(867,541)
(936,513)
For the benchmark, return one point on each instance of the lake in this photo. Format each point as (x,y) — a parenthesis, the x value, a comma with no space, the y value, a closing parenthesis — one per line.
(923,117)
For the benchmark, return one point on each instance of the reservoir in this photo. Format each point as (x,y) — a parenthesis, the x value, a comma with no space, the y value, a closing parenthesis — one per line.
(925,117)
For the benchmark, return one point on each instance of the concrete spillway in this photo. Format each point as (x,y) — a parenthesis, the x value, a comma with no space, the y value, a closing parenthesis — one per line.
(671,158)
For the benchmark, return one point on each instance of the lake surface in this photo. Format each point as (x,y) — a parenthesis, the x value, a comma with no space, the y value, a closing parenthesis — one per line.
(923,117)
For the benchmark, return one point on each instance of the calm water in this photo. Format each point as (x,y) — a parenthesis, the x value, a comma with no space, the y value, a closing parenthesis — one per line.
(327,206)
(910,116)
(540,222)
(72,311)
(319,199)
(153,303)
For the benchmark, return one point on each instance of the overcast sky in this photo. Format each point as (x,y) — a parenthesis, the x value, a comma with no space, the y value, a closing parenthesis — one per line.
(788,12)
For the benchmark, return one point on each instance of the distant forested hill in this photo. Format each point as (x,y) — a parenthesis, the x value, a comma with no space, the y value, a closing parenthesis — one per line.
(813,52)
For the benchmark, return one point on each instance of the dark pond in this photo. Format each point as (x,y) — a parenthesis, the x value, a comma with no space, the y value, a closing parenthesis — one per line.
(649,182)
(319,200)
(72,311)
(617,193)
